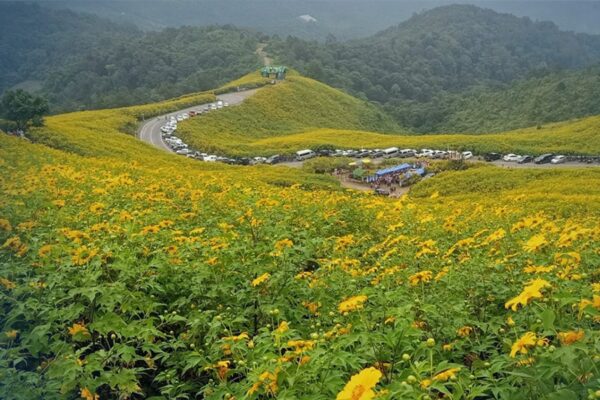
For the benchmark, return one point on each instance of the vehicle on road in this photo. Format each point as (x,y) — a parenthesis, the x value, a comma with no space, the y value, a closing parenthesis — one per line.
(492,156)
(377,153)
(511,157)
(407,153)
(273,159)
(544,158)
(390,152)
(466,155)
(558,159)
(382,192)
(211,158)
(305,154)
(525,159)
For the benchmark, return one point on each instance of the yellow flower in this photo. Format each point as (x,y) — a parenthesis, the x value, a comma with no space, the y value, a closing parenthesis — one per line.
(261,279)
(520,346)
(44,250)
(570,337)
(97,208)
(83,255)
(464,331)
(282,244)
(422,276)
(301,345)
(5,225)
(446,375)
(7,283)
(352,303)
(79,330)
(360,386)
(510,321)
(531,291)
(535,243)
(282,328)
(88,395)
(59,203)
(12,334)
(238,338)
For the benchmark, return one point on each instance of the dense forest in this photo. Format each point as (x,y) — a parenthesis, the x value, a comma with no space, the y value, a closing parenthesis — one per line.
(450,49)
(82,61)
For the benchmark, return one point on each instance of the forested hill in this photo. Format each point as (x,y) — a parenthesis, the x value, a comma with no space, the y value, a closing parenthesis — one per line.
(446,50)
(33,39)
(81,61)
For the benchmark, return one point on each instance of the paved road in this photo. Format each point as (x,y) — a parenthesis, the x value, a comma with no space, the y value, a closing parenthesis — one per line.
(150,130)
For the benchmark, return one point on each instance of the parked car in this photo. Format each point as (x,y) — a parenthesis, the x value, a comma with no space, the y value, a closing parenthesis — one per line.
(558,159)
(211,158)
(377,154)
(325,152)
(543,159)
(363,154)
(492,156)
(305,154)
(525,159)
(511,157)
(273,159)
(390,152)
(466,155)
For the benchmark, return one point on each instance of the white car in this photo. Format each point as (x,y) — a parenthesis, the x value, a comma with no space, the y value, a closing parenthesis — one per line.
(511,157)
(466,155)
(211,158)
(558,160)
(226,104)
(182,152)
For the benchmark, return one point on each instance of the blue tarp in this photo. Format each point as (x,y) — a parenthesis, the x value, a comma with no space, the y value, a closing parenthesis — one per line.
(391,170)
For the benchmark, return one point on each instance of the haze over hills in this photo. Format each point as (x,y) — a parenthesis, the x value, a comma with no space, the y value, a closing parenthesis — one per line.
(343,19)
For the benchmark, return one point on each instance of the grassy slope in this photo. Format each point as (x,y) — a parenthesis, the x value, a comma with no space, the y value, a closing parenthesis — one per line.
(302,113)
(573,137)
(295,105)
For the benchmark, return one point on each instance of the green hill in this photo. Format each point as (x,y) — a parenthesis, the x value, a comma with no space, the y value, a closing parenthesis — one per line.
(554,97)
(295,105)
(409,68)
(81,61)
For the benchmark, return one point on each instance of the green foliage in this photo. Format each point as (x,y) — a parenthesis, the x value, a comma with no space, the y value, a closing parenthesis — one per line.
(323,165)
(23,108)
(413,68)
(86,62)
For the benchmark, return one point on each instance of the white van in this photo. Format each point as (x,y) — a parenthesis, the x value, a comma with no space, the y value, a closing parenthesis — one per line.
(390,152)
(304,154)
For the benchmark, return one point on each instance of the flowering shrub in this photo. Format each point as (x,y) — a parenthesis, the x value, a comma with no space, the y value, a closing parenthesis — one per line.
(166,278)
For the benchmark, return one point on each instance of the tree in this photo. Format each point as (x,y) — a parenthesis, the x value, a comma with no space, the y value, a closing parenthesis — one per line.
(23,108)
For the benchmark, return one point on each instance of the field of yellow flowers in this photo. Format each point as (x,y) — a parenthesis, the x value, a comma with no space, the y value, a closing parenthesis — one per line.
(128,279)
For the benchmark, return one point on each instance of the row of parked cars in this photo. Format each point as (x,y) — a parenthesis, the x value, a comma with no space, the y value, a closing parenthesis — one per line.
(391,152)
(178,145)
(548,158)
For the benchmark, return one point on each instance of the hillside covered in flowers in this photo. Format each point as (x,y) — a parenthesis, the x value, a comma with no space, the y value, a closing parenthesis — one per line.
(129,273)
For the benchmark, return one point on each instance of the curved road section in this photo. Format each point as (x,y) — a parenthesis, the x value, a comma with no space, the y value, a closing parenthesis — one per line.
(150,130)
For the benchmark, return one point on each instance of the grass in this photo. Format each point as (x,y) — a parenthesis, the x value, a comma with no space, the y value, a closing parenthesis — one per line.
(290,106)
(573,137)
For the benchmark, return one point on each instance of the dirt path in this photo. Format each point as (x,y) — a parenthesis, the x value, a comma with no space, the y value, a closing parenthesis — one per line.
(260,50)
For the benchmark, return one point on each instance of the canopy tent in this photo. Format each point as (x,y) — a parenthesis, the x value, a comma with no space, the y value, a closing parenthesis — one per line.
(391,170)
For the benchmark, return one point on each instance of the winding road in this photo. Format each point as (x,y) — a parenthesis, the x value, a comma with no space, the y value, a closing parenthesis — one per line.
(149,131)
